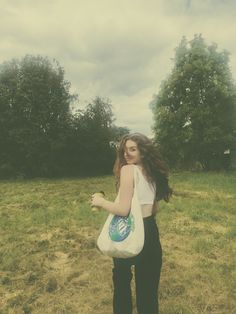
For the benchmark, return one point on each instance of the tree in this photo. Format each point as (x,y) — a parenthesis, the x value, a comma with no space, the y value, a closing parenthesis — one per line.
(194,112)
(34,114)
(90,145)
(118,132)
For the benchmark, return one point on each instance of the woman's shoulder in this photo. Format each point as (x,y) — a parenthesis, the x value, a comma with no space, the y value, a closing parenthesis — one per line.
(127,169)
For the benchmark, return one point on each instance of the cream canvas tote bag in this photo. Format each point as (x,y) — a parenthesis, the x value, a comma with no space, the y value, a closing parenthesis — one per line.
(123,236)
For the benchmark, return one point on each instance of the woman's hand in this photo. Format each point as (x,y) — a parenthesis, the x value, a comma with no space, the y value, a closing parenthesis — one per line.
(97,200)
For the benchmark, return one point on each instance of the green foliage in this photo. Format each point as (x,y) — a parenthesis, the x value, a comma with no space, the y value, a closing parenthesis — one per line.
(39,134)
(194,111)
(90,149)
(34,112)
(118,132)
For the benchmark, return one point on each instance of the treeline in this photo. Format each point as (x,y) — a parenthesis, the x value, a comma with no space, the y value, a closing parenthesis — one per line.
(40,134)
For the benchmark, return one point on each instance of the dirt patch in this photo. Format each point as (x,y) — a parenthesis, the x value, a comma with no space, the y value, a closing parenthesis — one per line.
(61,262)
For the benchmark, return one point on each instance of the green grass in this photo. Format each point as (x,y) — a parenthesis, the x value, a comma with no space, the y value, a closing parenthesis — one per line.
(49,262)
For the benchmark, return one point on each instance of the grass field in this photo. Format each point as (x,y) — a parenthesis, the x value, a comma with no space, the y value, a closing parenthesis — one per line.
(49,262)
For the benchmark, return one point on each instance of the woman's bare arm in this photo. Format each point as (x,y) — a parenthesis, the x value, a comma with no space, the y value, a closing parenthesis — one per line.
(123,206)
(155,208)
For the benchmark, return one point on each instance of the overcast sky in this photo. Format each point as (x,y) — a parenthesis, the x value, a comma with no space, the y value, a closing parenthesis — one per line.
(117,49)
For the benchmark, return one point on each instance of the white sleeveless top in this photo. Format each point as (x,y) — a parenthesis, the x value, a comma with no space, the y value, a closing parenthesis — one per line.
(146,191)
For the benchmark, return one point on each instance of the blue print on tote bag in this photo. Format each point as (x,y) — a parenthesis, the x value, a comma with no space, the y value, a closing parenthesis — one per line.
(120,227)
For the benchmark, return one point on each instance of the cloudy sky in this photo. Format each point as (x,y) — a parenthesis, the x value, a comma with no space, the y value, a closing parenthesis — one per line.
(117,49)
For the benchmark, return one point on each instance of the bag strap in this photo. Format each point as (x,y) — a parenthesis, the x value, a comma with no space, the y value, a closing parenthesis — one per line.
(135,177)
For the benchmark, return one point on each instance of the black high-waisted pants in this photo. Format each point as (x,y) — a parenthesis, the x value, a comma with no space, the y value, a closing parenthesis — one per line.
(147,275)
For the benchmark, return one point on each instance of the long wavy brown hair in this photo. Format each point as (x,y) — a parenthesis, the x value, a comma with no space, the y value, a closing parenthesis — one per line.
(155,169)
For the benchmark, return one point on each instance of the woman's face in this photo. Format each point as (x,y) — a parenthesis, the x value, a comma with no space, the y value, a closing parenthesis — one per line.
(132,153)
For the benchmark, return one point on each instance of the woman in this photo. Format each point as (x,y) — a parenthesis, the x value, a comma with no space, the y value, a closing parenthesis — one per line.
(152,186)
